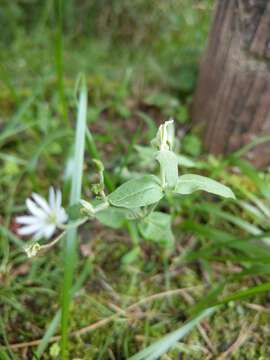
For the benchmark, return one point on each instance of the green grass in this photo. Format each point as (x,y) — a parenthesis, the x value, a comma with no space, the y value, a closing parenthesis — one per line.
(124,293)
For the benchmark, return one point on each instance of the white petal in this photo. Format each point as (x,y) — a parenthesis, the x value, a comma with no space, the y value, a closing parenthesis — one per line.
(49,230)
(58,199)
(29,229)
(39,234)
(26,219)
(41,202)
(35,210)
(52,198)
(61,216)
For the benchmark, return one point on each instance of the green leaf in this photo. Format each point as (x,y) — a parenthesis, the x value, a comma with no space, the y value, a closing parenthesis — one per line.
(141,191)
(157,227)
(189,183)
(186,161)
(147,154)
(169,166)
(131,256)
(112,217)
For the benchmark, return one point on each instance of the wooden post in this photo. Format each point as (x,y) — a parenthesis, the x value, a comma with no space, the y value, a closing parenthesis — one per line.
(232,99)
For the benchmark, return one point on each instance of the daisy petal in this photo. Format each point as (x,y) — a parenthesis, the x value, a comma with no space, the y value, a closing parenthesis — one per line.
(41,202)
(58,199)
(29,229)
(39,234)
(61,216)
(52,198)
(26,220)
(49,230)
(35,210)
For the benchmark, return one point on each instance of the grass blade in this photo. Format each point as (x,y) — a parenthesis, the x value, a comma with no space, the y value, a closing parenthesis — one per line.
(243,294)
(48,334)
(58,43)
(161,346)
(75,194)
(246,226)
(252,173)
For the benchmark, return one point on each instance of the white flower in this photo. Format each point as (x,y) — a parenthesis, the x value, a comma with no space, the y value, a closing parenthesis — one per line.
(45,215)
(165,136)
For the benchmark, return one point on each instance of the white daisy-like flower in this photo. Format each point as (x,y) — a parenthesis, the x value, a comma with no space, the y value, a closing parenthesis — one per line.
(45,216)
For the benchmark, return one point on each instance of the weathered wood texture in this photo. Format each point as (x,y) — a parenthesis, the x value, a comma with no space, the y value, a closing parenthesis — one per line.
(232,99)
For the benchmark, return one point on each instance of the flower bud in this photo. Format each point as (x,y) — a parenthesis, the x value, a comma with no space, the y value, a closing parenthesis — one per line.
(165,136)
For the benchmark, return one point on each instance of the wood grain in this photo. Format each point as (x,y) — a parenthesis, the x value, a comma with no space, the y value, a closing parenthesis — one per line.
(232,99)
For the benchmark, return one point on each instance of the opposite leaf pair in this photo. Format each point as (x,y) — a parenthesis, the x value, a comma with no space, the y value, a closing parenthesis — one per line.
(144,192)
(149,189)
(136,199)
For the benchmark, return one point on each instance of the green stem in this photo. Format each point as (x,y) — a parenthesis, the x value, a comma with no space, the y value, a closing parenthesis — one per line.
(91,147)
(133,232)
(74,224)
(162,178)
